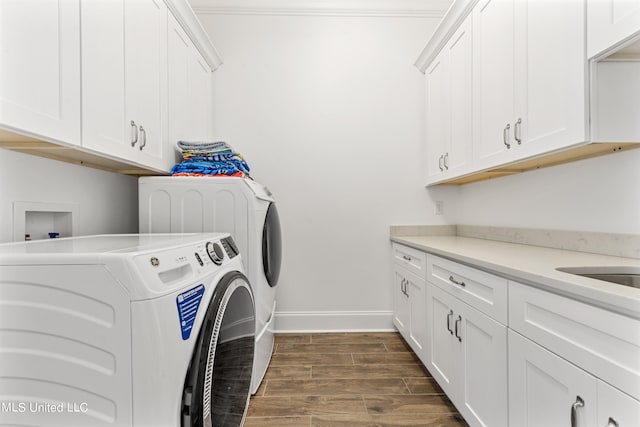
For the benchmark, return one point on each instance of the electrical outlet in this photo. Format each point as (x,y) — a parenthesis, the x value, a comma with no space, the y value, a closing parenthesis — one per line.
(439,207)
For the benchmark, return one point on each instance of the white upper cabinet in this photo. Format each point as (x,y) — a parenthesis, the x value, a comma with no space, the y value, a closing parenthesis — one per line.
(550,77)
(146,77)
(103,87)
(189,89)
(610,22)
(40,69)
(438,117)
(449,108)
(529,79)
(493,81)
(124,80)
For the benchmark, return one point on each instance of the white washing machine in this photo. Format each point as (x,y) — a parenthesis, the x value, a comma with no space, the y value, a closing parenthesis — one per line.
(239,206)
(125,330)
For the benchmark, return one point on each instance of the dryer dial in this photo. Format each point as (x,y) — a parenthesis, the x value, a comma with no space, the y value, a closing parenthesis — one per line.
(215,252)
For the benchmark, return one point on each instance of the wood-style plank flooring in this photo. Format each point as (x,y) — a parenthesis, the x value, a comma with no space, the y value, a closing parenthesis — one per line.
(354,380)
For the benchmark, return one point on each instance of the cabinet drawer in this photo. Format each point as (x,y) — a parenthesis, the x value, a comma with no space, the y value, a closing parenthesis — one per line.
(602,342)
(411,259)
(481,290)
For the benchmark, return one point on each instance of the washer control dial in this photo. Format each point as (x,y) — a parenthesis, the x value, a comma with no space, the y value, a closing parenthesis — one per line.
(215,252)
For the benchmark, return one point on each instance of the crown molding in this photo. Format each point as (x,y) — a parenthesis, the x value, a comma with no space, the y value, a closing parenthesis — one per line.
(186,17)
(454,17)
(359,8)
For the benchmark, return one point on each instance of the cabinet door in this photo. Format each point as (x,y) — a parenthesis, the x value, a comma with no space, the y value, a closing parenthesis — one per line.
(104,121)
(179,108)
(550,77)
(482,393)
(616,409)
(200,96)
(416,288)
(401,307)
(543,388)
(460,151)
(146,77)
(40,68)
(189,89)
(437,116)
(443,360)
(493,84)
(610,22)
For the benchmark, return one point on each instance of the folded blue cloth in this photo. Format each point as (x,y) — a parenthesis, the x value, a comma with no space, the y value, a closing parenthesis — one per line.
(206,168)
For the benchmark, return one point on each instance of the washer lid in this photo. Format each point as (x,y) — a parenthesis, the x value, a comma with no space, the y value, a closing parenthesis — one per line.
(103,244)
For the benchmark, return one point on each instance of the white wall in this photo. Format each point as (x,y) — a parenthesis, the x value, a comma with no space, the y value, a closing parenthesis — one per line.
(108,202)
(328,111)
(600,195)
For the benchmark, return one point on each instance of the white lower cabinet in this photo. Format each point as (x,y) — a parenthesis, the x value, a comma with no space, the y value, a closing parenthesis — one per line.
(616,409)
(545,390)
(468,358)
(510,354)
(409,309)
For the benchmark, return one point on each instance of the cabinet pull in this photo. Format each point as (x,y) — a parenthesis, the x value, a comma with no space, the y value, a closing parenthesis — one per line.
(517,131)
(406,257)
(446,161)
(449,316)
(134,133)
(440,159)
(612,423)
(454,281)
(505,135)
(144,138)
(458,321)
(579,403)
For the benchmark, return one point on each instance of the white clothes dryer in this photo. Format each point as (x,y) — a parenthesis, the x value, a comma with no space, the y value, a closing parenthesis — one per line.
(125,330)
(239,206)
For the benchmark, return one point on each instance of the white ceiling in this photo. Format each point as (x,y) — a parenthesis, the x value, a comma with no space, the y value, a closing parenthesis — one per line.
(409,8)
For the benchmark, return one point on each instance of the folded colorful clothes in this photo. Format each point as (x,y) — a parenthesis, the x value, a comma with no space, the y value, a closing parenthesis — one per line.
(206,168)
(211,147)
(209,158)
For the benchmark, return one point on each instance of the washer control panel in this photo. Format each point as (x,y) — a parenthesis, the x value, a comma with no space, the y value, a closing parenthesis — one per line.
(215,252)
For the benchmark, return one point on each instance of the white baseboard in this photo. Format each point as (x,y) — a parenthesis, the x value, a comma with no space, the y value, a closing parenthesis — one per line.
(333,321)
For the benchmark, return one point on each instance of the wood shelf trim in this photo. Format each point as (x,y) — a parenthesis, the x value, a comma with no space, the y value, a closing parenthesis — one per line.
(547,160)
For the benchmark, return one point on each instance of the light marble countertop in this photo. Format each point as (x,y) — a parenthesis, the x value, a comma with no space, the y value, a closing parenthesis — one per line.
(534,265)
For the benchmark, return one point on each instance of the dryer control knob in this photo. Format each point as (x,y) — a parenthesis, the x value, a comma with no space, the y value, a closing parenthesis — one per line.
(215,252)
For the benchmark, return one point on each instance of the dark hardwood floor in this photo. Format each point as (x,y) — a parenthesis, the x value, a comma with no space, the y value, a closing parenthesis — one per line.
(354,380)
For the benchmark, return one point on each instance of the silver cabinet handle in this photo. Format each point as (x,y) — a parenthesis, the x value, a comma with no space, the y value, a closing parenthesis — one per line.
(134,133)
(458,321)
(517,131)
(406,257)
(449,316)
(579,403)
(440,161)
(144,138)
(454,281)
(402,286)
(505,136)
(446,161)
(612,423)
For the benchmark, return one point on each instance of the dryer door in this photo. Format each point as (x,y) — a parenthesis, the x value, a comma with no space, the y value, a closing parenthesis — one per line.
(217,386)
(272,246)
